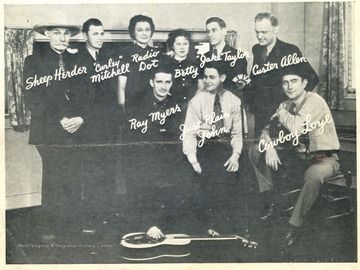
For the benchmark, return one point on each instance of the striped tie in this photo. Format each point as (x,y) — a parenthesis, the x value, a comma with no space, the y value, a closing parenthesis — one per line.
(61,63)
(219,124)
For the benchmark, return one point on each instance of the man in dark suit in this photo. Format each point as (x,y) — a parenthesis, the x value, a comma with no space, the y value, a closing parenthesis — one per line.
(233,60)
(271,55)
(58,113)
(103,126)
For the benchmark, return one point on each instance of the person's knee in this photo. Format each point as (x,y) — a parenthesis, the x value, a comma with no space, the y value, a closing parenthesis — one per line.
(313,178)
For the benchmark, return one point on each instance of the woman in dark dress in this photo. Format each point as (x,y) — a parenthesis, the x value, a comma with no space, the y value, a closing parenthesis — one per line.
(187,74)
(142,58)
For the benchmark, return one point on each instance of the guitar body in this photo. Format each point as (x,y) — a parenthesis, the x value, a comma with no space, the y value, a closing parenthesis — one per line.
(139,247)
(140,240)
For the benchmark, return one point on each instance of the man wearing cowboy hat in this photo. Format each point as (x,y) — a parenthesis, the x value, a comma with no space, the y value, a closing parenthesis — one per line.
(286,152)
(58,112)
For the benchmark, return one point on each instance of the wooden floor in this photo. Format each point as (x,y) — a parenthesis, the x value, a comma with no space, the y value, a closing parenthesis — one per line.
(321,239)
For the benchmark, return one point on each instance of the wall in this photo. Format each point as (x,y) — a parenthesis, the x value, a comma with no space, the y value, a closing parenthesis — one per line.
(313,32)
(300,23)
(238,16)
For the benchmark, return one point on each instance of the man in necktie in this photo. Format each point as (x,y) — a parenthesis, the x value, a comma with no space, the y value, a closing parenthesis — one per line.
(235,70)
(281,153)
(219,124)
(61,63)
(215,52)
(212,141)
(102,127)
(62,116)
(105,115)
(58,112)
(265,94)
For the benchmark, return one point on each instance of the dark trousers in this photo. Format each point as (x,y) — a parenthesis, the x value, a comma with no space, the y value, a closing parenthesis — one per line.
(98,178)
(61,188)
(78,181)
(215,191)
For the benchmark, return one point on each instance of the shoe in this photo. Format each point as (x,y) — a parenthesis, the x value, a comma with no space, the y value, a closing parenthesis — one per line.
(270,213)
(291,236)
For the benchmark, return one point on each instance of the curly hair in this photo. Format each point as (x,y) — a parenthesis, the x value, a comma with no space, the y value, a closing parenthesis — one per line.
(140,18)
(177,33)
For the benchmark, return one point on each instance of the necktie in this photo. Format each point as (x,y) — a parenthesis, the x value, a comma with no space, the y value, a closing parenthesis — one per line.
(97,57)
(304,138)
(215,52)
(61,63)
(264,54)
(218,114)
(292,108)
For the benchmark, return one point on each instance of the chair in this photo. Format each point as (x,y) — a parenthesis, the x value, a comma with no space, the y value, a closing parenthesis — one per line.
(336,189)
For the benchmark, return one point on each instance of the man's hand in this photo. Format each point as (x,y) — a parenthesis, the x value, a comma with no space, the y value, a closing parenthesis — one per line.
(278,112)
(272,159)
(72,125)
(196,166)
(155,233)
(232,163)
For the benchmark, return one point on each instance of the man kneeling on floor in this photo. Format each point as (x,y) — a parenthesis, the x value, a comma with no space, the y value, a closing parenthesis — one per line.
(307,146)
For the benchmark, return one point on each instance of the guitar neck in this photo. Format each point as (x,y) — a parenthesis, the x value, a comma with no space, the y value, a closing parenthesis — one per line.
(140,240)
(207,238)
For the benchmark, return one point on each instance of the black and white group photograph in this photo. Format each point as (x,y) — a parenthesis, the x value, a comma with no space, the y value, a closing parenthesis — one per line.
(180,134)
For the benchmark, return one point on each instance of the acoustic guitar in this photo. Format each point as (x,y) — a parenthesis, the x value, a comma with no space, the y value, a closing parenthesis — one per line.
(140,240)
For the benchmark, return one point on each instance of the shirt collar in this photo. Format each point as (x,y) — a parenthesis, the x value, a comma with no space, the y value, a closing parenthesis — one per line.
(92,51)
(221,93)
(220,47)
(300,100)
(270,47)
(139,48)
(159,103)
(58,52)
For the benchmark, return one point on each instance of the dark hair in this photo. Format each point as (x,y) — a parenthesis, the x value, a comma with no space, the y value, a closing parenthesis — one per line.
(140,18)
(163,67)
(221,22)
(90,22)
(218,65)
(177,33)
(266,15)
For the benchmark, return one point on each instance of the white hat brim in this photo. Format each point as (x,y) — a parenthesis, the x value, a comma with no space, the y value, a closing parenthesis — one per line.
(42,27)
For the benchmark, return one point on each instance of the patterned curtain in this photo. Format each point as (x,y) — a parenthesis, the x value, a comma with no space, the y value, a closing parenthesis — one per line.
(231,38)
(18,44)
(332,70)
